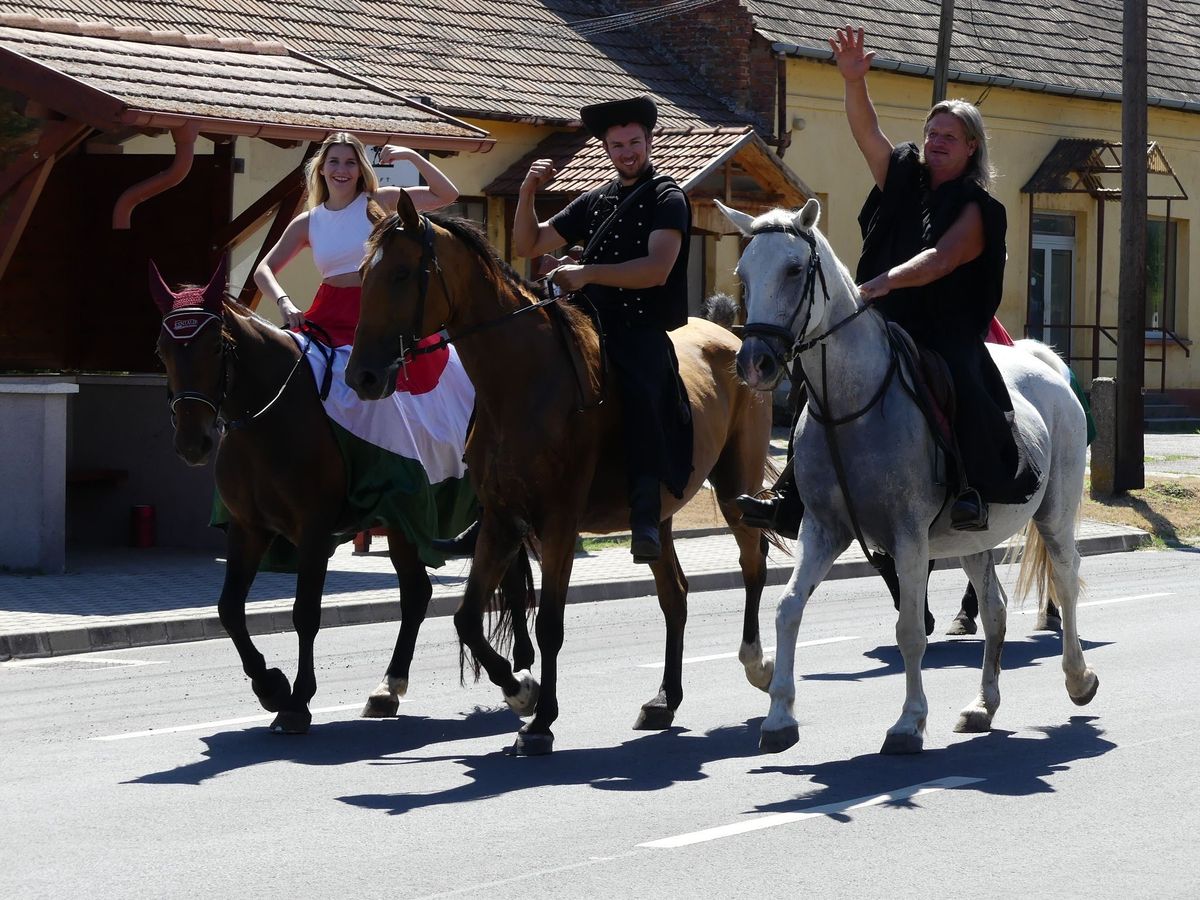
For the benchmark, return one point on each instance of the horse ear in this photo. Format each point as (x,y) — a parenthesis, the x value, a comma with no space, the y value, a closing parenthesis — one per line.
(159,292)
(214,294)
(410,219)
(808,217)
(740,220)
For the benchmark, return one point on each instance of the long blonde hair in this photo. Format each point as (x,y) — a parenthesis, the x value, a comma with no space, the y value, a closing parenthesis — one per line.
(318,193)
(979,168)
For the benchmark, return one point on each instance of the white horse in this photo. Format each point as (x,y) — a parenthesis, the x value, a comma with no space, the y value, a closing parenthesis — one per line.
(871,474)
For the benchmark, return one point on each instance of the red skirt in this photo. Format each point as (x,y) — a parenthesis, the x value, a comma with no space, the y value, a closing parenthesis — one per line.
(336,310)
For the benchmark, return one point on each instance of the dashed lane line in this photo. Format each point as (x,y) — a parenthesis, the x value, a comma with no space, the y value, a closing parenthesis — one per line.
(700,659)
(222,723)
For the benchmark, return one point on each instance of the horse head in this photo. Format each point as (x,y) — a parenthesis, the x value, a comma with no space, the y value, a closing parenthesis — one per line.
(398,308)
(779,271)
(192,351)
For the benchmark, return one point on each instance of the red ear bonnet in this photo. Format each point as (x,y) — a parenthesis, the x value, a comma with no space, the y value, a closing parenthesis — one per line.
(210,298)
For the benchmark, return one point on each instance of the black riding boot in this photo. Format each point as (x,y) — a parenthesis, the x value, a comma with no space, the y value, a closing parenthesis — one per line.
(969,512)
(645,514)
(782,513)
(463,545)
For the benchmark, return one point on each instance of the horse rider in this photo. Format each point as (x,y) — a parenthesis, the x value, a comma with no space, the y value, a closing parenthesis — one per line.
(933,261)
(634,272)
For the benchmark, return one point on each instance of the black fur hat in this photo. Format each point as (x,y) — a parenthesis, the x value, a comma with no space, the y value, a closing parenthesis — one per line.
(599,117)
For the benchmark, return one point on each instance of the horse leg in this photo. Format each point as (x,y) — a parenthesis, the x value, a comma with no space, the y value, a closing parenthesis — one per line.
(244,551)
(887,571)
(752,559)
(558,556)
(1048,617)
(497,547)
(981,569)
(1063,559)
(912,567)
(313,550)
(415,592)
(815,553)
(671,584)
(968,612)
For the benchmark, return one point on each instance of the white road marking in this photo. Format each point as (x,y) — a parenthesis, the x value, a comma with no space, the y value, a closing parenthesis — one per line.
(699,659)
(222,723)
(816,812)
(78,661)
(1033,609)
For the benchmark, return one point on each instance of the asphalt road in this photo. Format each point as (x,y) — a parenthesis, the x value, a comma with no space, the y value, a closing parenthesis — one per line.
(151,773)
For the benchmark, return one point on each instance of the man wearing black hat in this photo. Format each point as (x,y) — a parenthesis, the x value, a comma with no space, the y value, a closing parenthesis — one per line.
(634,272)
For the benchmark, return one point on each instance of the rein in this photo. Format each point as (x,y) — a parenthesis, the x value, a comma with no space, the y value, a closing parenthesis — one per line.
(822,414)
(429,261)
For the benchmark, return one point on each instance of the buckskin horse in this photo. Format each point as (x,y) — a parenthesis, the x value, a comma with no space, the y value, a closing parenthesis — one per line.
(864,461)
(280,472)
(545,455)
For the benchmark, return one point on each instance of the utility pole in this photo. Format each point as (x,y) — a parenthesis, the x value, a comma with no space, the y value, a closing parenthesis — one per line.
(942,63)
(1130,472)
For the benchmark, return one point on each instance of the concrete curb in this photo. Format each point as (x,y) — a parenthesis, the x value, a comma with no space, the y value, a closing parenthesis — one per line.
(85,639)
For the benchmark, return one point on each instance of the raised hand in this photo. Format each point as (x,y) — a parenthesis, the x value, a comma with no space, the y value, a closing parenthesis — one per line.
(850,53)
(540,174)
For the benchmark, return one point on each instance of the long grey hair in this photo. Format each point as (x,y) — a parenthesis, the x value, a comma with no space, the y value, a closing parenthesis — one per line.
(979,168)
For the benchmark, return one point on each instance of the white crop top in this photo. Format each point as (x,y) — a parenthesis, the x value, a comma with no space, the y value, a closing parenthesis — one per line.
(338,237)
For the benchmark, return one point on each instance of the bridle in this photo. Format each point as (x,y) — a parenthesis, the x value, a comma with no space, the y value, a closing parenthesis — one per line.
(428,266)
(789,361)
(198,320)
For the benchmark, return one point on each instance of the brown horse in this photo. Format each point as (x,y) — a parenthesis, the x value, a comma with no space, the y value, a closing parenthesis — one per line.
(280,472)
(545,457)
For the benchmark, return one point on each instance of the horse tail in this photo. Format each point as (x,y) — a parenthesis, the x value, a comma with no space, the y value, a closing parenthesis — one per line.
(1034,573)
(721,309)
(515,596)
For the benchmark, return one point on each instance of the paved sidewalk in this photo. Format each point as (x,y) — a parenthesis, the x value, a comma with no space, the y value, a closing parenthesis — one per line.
(129,598)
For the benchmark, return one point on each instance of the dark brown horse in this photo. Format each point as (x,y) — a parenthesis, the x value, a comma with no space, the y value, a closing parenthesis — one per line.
(546,460)
(279,471)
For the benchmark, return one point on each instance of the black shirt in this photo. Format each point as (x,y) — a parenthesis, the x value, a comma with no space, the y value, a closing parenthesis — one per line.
(663,205)
(907,217)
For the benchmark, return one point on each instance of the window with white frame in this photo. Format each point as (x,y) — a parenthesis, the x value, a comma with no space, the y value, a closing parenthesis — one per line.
(1162,265)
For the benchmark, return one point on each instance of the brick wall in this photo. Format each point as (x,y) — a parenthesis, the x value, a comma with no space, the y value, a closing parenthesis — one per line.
(718,42)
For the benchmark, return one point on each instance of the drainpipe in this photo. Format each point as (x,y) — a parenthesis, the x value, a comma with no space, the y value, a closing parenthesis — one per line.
(185,151)
(785,134)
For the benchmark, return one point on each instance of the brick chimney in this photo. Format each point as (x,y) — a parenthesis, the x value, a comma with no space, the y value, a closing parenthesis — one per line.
(718,42)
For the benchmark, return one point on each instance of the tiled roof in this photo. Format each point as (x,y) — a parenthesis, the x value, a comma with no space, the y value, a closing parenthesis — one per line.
(687,155)
(1068,46)
(141,77)
(518,59)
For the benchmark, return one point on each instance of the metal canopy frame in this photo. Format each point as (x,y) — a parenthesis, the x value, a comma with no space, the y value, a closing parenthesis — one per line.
(1081,166)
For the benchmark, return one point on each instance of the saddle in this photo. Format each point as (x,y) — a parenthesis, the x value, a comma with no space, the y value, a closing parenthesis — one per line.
(932,386)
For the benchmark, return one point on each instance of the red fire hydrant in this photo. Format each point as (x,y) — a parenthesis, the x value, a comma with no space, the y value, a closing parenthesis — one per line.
(141,526)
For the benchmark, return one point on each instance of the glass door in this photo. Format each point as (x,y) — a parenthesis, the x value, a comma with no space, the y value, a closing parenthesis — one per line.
(1052,281)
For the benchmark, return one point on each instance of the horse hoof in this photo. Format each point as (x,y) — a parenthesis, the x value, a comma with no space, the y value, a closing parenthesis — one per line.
(1086,697)
(896,744)
(524,701)
(381,706)
(273,690)
(973,721)
(778,740)
(654,718)
(1048,623)
(533,743)
(962,625)
(291,721)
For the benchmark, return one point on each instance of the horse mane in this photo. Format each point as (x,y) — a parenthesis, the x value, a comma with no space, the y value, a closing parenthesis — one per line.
(503,276)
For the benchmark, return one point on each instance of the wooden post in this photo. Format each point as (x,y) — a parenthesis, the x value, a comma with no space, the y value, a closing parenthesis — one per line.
(942,63)
(1130,473)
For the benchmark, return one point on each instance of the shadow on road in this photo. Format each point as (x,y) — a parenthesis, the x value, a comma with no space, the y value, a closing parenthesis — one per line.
(1009,765)
(648,763)
(968,654)
(334,743)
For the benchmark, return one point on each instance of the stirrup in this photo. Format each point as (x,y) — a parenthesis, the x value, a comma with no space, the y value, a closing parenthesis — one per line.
(969,512)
